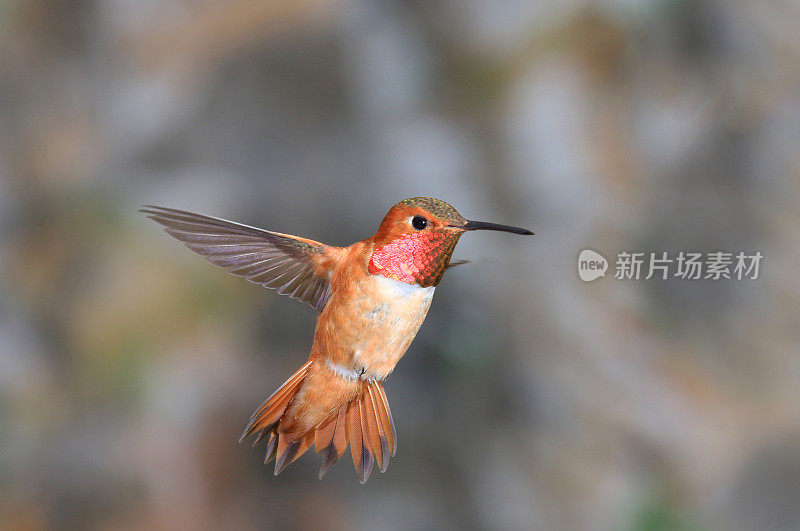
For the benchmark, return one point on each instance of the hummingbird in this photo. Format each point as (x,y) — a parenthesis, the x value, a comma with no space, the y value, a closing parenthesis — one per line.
(371,299)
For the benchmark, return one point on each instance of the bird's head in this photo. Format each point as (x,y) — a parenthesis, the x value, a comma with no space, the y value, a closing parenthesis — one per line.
(416,239)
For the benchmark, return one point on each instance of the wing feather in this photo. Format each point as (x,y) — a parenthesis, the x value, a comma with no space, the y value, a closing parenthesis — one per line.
(297,267)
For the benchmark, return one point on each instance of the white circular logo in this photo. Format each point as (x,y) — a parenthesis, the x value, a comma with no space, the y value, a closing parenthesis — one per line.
(591,265)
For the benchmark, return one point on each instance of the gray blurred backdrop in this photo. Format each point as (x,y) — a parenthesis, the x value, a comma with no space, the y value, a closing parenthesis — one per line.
(529,400)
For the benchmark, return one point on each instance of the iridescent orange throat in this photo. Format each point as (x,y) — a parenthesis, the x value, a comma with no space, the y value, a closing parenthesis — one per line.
(415,258)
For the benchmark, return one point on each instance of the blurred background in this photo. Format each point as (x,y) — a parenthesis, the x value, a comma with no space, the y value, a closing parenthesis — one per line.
(529,400)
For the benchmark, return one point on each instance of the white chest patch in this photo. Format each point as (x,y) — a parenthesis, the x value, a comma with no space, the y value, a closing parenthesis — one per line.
(395,288)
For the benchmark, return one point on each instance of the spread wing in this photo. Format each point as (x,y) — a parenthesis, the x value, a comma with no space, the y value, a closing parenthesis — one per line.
(297,267)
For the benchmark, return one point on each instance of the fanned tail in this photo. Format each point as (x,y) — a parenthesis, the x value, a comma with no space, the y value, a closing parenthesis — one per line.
(364,422)
(264,420)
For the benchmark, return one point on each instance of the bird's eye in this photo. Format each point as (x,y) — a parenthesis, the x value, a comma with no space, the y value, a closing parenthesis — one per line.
(419,222)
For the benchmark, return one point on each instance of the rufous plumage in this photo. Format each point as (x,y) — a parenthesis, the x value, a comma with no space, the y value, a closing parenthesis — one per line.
(371,298)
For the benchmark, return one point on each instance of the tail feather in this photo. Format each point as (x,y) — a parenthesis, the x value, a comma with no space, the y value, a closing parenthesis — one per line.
(285,390)
(272,448)
(286,452)
(382,452)
(386,417)
(273,408)
(359,448)
(340,434)
(289,451)
(364,422)
(263,433)
(323,436)
(306,443)
(372,427)
(353,424)
(333,450)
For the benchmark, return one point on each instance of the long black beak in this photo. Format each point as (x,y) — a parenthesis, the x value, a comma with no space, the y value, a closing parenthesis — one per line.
(484,225)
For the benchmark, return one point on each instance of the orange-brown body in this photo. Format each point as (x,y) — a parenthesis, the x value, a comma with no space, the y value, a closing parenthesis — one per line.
(372,298)
(364,330)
